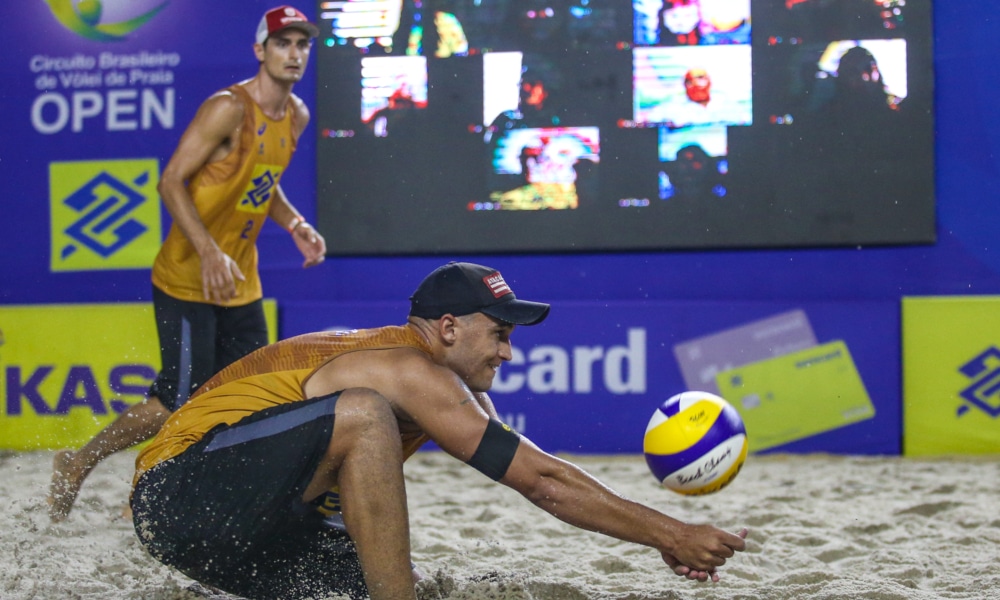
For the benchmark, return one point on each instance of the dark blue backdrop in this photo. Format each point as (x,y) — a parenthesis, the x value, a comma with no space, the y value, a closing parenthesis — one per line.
(845,289)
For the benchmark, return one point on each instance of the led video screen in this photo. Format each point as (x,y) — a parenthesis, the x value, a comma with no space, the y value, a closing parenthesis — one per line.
(496,126)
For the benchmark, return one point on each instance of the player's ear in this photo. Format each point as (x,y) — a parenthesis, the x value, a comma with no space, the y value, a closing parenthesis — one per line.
(446,328)
(258,51)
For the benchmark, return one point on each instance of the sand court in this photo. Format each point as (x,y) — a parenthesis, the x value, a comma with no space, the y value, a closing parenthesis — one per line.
(821,528)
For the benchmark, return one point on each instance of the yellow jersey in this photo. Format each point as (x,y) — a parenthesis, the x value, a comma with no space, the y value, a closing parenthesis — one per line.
(273,375)
(232,197)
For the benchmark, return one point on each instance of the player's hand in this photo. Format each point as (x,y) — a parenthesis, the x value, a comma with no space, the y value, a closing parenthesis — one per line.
(310,243)
(219,273)
(701,549)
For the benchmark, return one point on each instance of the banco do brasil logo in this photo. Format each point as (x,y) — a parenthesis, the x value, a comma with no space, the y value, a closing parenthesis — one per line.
(105,214)
(983,392)
(89,19)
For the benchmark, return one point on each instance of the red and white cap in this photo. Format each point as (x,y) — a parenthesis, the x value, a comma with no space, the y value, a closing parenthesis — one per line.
(284,17)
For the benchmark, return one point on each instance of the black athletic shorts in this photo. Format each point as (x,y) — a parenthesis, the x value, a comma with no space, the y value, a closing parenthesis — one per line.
(228,511)
(197,340)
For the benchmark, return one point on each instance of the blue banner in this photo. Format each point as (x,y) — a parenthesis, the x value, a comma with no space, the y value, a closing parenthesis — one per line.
(95,97)
(589,377)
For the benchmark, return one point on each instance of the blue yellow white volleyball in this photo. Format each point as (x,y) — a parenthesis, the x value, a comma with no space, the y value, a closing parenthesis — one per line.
(695,443)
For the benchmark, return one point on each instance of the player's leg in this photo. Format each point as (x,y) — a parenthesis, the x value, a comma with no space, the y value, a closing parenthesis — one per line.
(239,331)
(365,461)
(138,423)
(186,332)
(229,512)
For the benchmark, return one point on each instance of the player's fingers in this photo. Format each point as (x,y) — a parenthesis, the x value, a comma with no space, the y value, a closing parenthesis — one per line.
(213,291)
(217,295)
(223,288)
(237,273)
(698,575)
(738,542)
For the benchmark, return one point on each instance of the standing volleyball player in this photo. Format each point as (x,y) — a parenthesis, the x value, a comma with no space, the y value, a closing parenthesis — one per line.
(220,185)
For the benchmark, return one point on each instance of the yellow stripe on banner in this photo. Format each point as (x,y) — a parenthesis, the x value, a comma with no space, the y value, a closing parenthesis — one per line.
(66,371)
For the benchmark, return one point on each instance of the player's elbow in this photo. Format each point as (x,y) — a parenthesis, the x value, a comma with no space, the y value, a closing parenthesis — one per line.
(169,182)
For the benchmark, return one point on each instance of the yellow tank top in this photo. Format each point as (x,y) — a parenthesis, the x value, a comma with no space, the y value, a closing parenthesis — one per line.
(232,197)
(273,375)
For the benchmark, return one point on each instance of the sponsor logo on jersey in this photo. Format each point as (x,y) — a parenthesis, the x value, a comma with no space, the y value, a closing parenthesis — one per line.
(262,185)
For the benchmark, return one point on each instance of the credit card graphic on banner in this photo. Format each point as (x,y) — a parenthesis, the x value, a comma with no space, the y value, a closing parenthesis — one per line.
(702,359)
(797,395)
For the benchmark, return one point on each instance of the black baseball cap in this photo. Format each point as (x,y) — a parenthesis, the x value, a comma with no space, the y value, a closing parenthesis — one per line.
(461,288)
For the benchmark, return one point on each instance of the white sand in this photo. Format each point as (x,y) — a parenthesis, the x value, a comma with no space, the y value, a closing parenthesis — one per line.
(822,528)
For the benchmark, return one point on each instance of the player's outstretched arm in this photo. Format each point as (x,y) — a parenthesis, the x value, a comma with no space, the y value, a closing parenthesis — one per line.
(572,495)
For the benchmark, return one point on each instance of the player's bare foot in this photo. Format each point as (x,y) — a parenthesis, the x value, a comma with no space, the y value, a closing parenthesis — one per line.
(66,482)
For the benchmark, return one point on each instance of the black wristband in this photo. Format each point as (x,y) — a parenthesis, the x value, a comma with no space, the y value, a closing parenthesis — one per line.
(496,450)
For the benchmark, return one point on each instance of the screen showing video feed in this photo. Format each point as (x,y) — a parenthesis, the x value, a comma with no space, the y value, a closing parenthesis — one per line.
(695,162)
(543,169)
(391,88)
(495,126)
(691,22)
(681,87)
(444,28)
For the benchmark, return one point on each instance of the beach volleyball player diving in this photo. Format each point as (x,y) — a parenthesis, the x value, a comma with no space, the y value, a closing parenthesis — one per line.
(282,477)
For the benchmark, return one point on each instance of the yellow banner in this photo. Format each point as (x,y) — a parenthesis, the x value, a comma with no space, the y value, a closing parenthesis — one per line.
(104,214)
(66,371)
(951,375)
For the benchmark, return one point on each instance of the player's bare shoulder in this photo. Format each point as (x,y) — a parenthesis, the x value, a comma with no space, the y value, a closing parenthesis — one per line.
(220,117)
(301,114)
(299,104)
(412,373)
(389,371)
(224,103)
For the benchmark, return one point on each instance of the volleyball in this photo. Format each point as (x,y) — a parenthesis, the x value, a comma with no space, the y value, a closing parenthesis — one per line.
(695,443)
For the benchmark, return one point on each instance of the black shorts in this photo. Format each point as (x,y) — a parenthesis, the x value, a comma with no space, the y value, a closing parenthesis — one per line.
(197,340)
(228,511)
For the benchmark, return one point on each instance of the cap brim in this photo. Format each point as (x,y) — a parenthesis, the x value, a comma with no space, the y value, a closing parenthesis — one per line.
(303,26)
(518,312)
